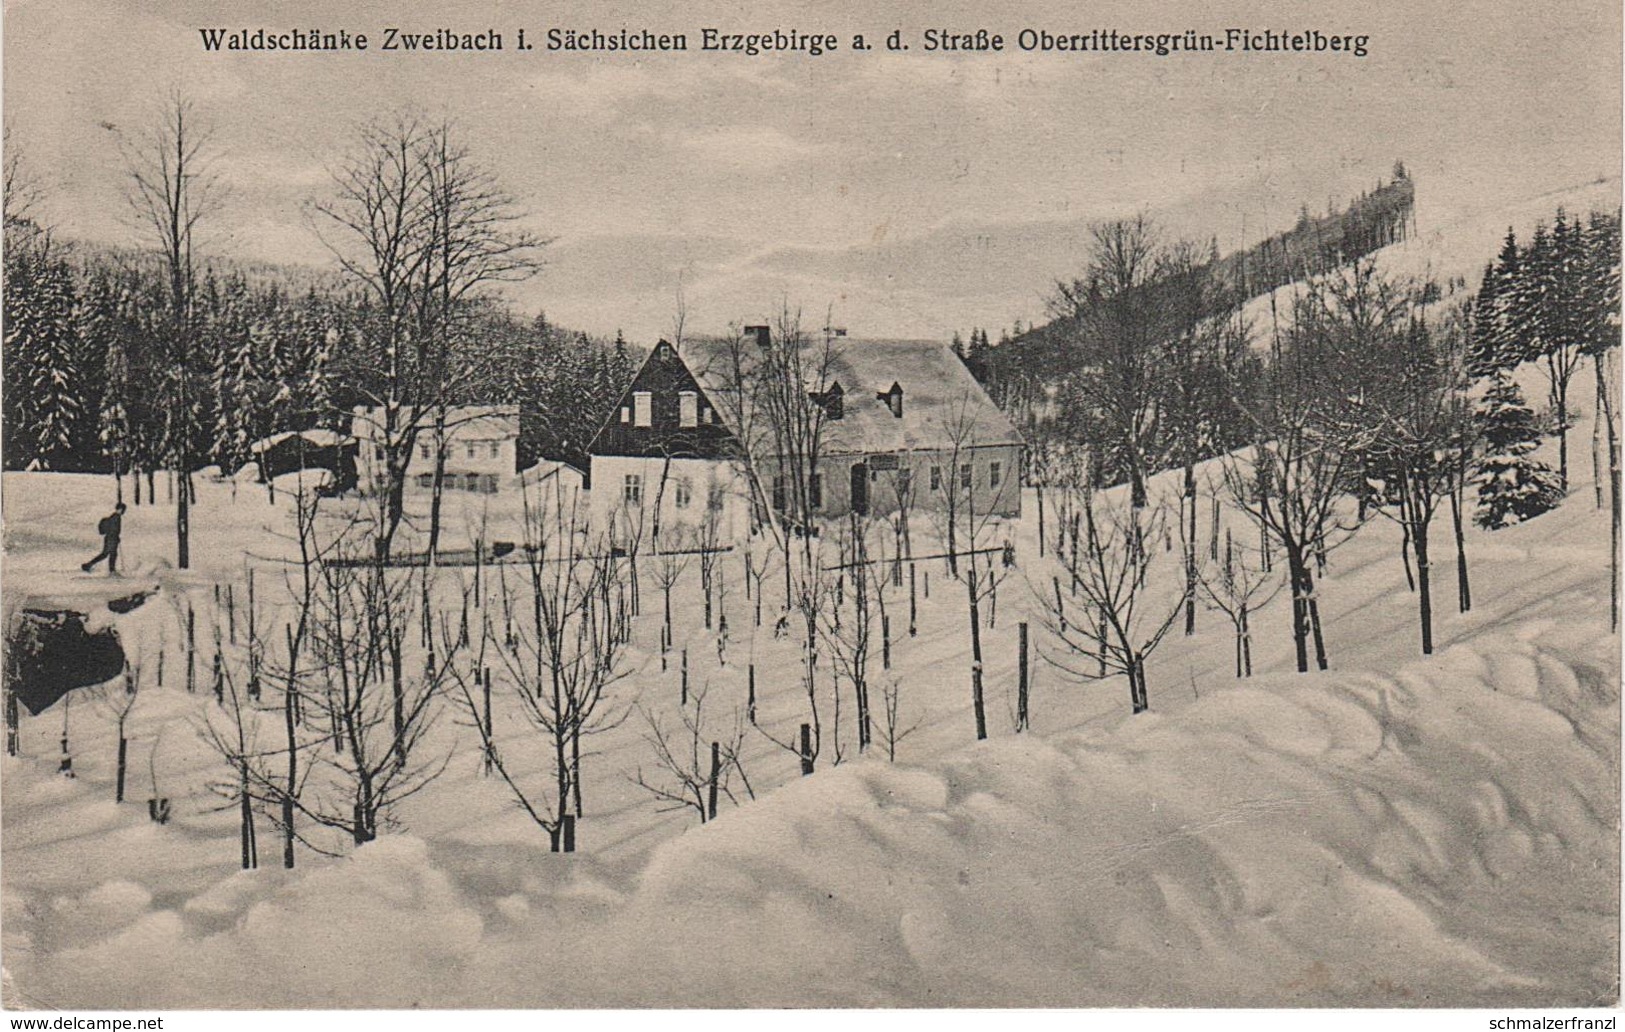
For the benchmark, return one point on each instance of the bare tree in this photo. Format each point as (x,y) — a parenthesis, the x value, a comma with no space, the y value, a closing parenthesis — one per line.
(1118,330)
(23,191)
(173,187)
(1238,587)
(966,532)
(561,666)
(695,766)
(1304,411)
(1420,424)
(424,229)
(1110,569)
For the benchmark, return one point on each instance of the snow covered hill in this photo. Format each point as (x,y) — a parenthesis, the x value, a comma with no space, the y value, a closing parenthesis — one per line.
(1399,831)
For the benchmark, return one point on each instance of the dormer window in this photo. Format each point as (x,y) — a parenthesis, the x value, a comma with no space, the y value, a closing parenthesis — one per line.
(893,399)
(832,400)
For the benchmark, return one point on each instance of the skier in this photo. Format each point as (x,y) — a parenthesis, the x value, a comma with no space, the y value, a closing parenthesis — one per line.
(110,528)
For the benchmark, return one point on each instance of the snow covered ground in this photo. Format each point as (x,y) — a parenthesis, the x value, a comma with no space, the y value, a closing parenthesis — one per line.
(1398,831)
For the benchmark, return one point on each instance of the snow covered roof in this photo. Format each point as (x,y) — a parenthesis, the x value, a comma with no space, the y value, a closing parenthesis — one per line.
(463,422)
(318,438)
(937,400)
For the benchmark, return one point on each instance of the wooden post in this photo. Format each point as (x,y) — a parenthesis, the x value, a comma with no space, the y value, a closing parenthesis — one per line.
(806,750)
(750,697)
(253,643)
(485,678)
(716,773)
(13,717)
(1213,535)
(65,765)
(1021,683)
(191,649)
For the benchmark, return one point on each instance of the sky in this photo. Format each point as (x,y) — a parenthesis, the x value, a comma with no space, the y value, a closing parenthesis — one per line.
(895,194)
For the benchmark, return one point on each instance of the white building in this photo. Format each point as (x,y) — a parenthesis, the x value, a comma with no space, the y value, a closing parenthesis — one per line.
(478,447)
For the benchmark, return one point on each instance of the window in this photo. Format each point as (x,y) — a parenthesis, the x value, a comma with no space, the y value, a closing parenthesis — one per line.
(423,451)
(425,479)
(714,498)
(993,472)
(472,482)
(471,449)
(632,490)
(964,476)
(905,480)
(688,408)
(496,449)
(685,492)
(490,483)
(640,408)
(936,478)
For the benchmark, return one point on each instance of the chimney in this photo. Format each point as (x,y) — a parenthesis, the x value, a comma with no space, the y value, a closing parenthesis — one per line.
(763,335)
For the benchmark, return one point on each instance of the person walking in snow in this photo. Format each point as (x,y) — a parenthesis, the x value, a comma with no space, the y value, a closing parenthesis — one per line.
(110,528)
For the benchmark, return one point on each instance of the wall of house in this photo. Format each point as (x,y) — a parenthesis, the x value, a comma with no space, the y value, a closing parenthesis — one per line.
(1001,499)
(484,449)
(681,489)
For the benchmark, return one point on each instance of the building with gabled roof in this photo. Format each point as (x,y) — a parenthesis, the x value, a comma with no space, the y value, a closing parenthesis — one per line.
(904,421)
(479,445)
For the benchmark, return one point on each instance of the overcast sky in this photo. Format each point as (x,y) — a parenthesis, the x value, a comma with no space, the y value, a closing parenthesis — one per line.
(911,194)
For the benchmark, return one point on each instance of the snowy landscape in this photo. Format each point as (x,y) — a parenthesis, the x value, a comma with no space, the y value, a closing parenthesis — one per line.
(551,541)
(1399,830)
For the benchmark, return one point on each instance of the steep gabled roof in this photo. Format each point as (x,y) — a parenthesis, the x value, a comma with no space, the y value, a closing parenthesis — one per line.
(941,399)
(665,376)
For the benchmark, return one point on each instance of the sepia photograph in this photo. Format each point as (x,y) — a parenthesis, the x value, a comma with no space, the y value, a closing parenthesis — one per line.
(811,506)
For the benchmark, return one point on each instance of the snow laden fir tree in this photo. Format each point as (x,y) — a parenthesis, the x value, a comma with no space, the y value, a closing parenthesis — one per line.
(1513,486)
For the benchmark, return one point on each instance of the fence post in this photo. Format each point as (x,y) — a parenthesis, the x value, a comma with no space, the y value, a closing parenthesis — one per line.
(716,773)
(1021,686)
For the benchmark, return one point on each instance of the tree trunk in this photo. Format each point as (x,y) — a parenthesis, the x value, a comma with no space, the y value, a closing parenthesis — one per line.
(1405,549)
(1021,680)
(976,654)
(1297,571)
(1606,413)
(1246,642)
(1190,551)
(245,817)
(123,754)
(1424,590)
(711,788)
(1040,521)
(183,520)
(1464,589)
